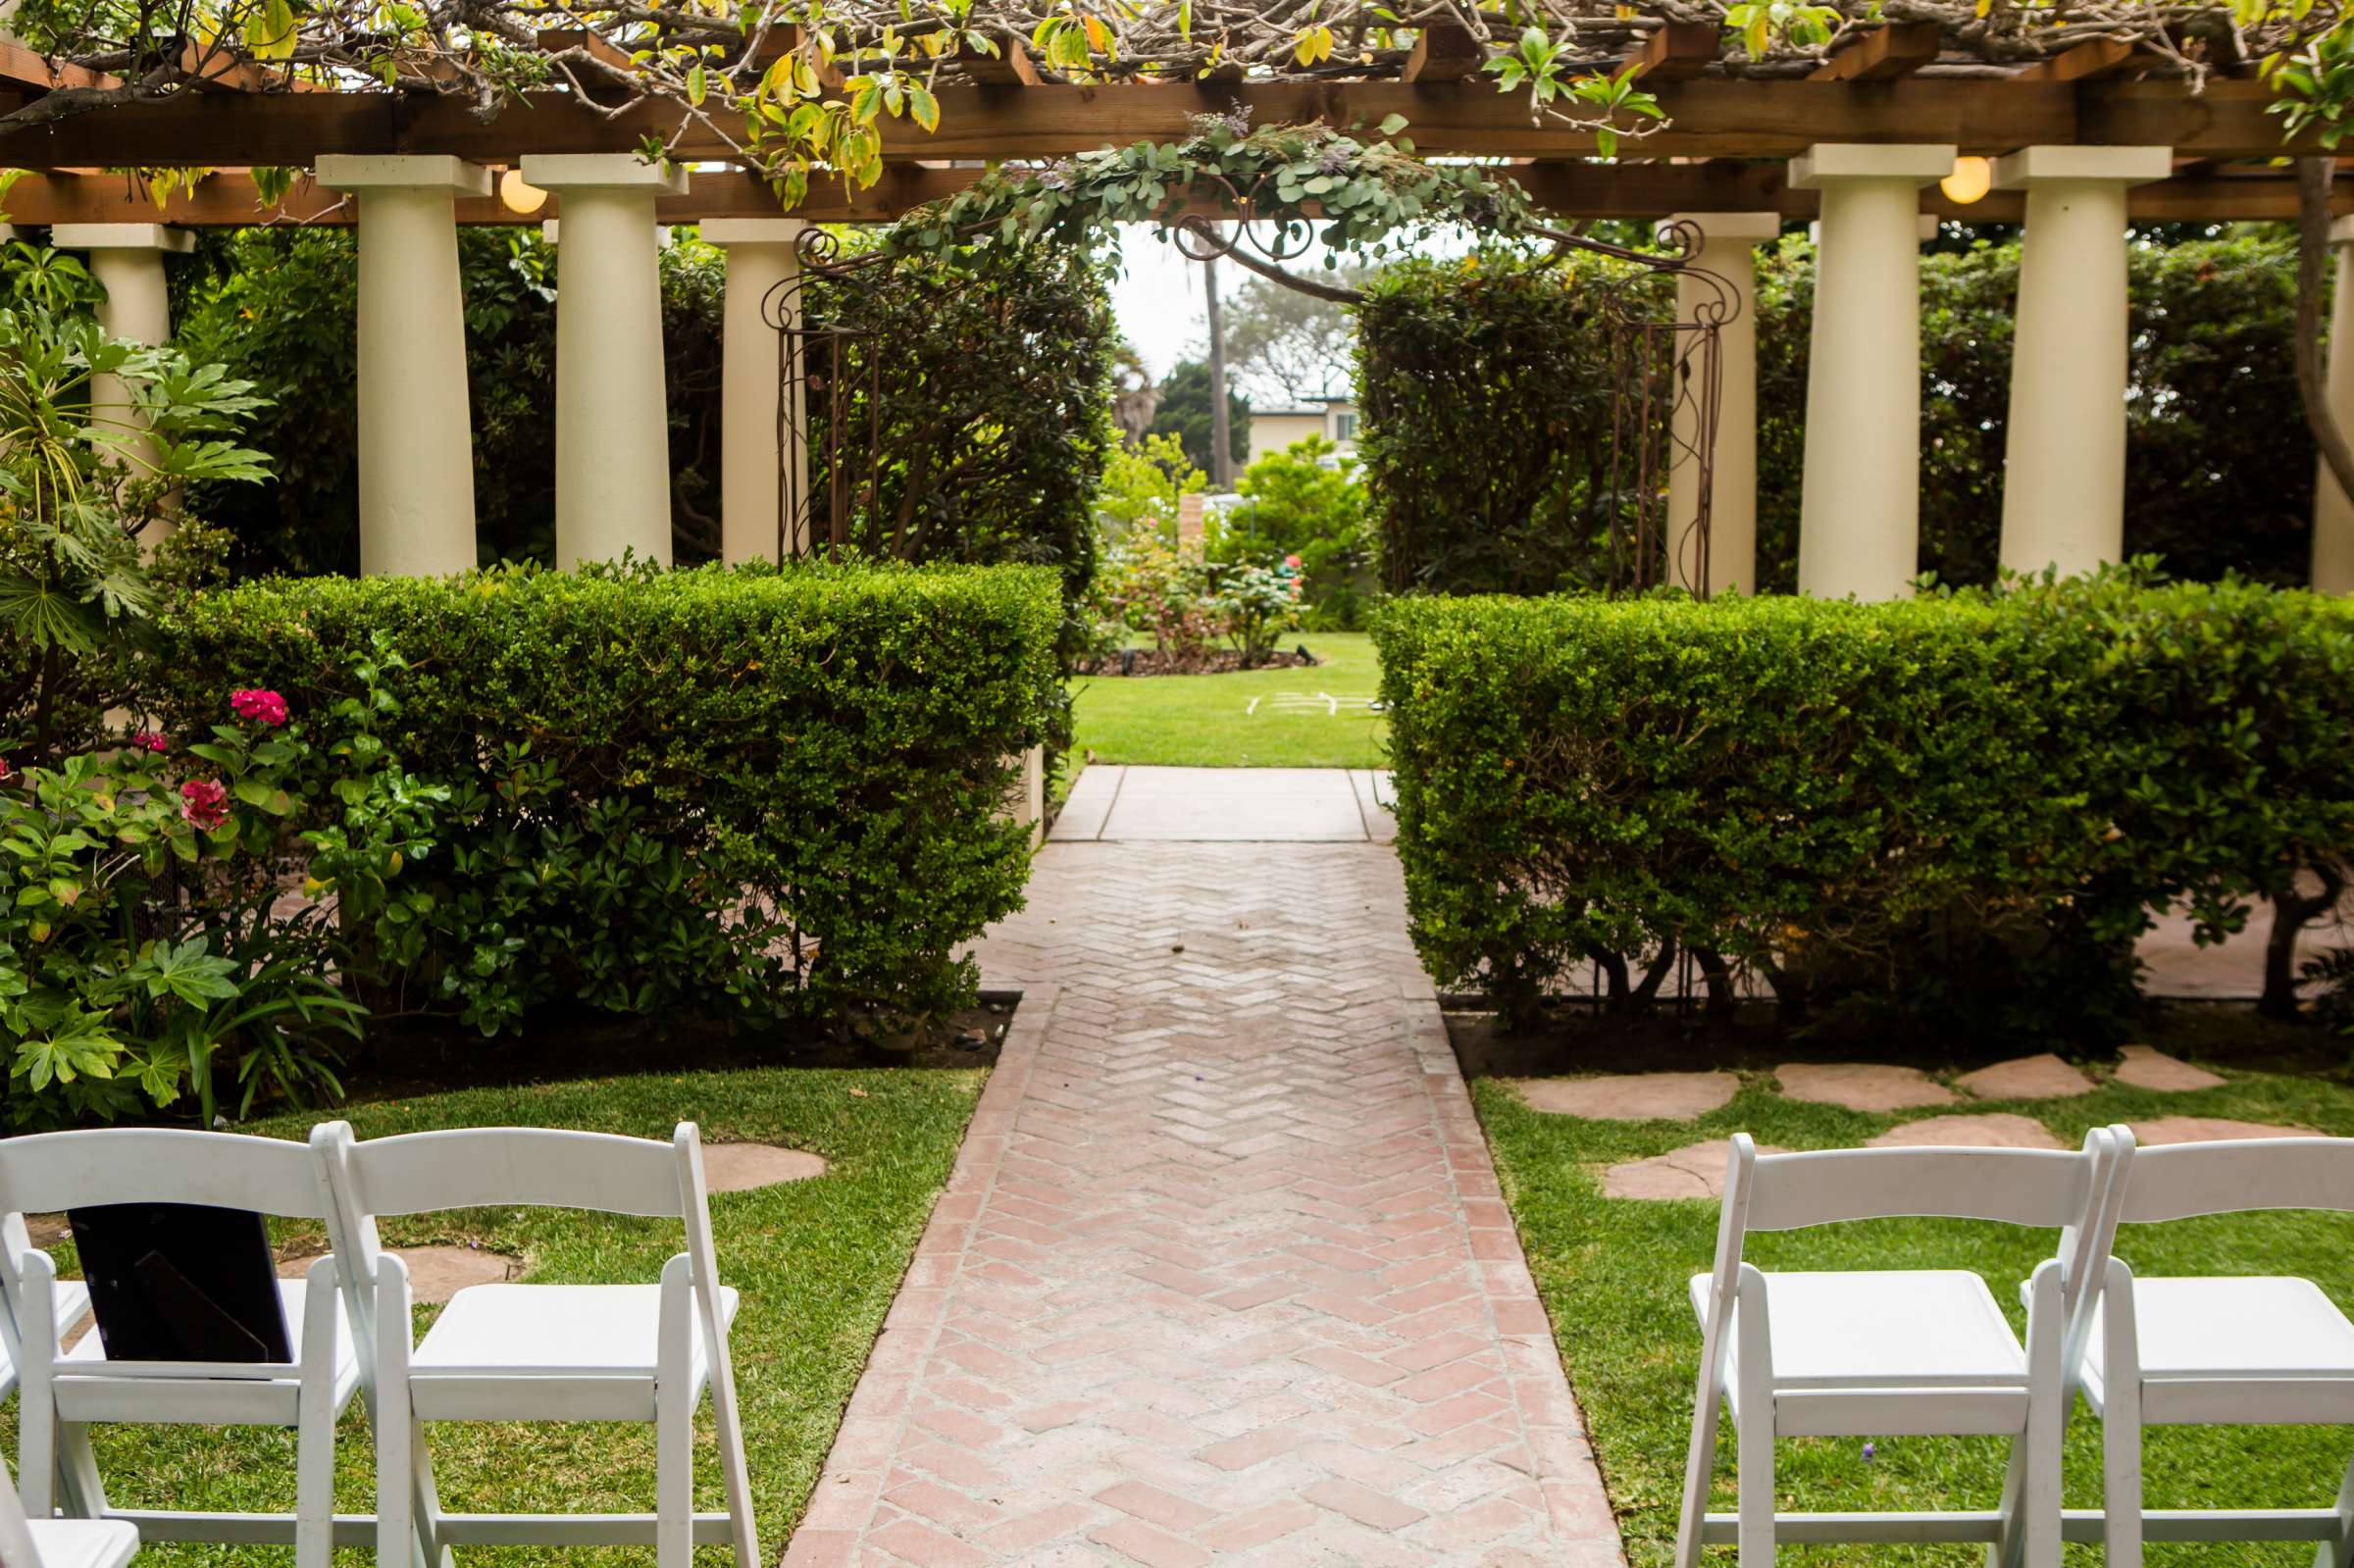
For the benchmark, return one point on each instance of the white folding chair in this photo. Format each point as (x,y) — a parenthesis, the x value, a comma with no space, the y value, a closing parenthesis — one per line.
(1891,1354)
(544,1353)
(63,1393)
(68,1300)
(2220,1350)
(60,1543)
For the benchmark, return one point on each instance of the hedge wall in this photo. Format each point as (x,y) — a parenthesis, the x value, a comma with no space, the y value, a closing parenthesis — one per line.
(755,794)
(1486,387)
(1961,808)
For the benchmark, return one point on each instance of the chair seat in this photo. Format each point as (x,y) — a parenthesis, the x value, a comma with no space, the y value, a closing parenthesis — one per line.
(265,1397)
(85,1542)
(541,1335)
(1899,1328)
(73,1301)
(2229,1329)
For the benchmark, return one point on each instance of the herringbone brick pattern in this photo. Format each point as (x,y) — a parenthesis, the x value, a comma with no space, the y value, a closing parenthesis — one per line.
(1223,1274)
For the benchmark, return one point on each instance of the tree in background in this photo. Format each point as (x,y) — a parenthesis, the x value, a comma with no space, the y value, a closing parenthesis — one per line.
(1282,340)
(1184,412)
(1143,484)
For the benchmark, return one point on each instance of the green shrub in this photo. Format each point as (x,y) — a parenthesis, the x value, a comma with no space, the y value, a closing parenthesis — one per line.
(1303,503)
(1961,808)
(756,795)
(1488,396)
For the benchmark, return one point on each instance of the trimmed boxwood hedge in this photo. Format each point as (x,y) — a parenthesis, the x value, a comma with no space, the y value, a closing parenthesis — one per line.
(761,794)
(1963,808)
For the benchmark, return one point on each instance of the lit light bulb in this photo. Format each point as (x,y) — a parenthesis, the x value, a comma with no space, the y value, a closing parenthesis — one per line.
(1971,179)
(520,195)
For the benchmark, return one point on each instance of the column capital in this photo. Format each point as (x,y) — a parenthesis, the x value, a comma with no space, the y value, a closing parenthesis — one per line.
(1756,228)
(121,236)
(426,172)
(1921,163)
(2124,165)
(725,232)
(619,171)
(2341,232)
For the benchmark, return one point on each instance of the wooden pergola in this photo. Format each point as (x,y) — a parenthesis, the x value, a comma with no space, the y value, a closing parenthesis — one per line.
(2088,129)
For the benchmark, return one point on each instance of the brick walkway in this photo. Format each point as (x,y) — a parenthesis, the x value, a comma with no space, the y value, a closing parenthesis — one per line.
(1223,1274)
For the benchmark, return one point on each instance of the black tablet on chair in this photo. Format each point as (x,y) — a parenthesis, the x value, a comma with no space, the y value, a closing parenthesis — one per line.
(181,1281)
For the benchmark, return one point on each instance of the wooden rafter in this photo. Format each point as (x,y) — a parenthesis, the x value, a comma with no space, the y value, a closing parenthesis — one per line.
(22,67)
(1884,53)
(2089,61)
(1675,52)
(1446,52)
(1013,65)
(1708,118)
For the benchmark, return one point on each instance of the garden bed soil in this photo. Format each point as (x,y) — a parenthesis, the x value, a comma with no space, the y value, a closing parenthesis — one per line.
(1215,661)
(405,1059)
(1580,1039)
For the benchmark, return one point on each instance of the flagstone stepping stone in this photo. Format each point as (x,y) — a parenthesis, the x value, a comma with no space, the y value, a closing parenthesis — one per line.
(1862,1086)
(1988,1130)
(743,1167)
(2145,1067)
(2209,1130)
(1631,1096)
(1697,1170)
(438,1273)
(2042,1076)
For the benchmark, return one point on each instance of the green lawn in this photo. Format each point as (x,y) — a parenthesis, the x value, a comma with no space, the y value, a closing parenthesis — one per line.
(817,1261)
(1210,721)
(1613,1273)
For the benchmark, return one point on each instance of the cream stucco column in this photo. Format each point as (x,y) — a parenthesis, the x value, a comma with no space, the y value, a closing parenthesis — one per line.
(612,431)
(2064,479)
(416,430)
(127,260)
(1859,530)
(1729,250)
(755,439)
(2333,513)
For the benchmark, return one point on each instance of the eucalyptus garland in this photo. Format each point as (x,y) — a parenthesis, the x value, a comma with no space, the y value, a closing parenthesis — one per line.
(1373,197)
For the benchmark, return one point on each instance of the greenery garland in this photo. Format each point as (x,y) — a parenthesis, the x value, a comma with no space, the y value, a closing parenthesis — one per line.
(1373,196)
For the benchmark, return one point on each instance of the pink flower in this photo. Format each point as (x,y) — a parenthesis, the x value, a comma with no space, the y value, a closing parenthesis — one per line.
(204,803)
(5,773)
(151,740)
(258,705)
(1292,561)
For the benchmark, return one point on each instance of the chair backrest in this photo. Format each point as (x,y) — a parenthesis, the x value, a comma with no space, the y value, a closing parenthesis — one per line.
(2179,1180)
(47,1172)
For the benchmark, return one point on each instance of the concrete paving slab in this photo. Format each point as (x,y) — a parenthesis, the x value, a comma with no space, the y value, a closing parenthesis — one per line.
(1375,800)
(1092,795)
(1257,805)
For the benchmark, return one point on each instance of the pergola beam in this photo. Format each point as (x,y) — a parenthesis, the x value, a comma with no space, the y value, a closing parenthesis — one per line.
(1708,118)
(2197,193)
(1446,52)
(1674,52)
(1884,53)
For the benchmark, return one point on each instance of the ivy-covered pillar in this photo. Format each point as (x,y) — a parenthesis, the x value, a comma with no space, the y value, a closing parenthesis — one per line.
(2332,512)
(2064,475)
(612,408)
(1859,527)
(127,260)
(416,427)
(1728,251)
(758,436)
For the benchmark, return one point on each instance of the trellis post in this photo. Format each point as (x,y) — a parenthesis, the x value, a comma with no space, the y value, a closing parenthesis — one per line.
(2332,512)
(2064,479)
(1729,252)
(1859,530)
(416,428)
(612,406)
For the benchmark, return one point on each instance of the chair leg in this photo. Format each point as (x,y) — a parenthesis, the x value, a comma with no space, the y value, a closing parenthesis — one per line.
(78,1472)
(396,1543)
(2120,1421)
(674,1424)
(36,1451)
(2035,1527)
(1754,1440)
(2339,1553)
